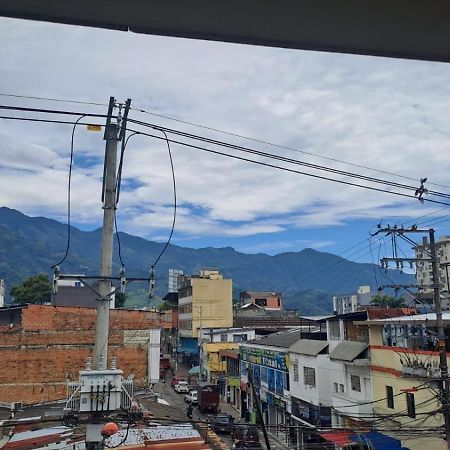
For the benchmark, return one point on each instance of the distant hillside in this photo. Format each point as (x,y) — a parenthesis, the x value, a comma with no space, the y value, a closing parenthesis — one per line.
(308,278)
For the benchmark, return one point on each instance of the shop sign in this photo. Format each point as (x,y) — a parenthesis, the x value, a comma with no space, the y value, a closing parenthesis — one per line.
(233,381)
(268,358)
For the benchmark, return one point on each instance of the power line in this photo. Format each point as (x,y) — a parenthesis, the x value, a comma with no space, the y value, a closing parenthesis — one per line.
(260,141)
(69,187)
(174,202)
(286,169)
(53,111)
(288,160)
(59,100)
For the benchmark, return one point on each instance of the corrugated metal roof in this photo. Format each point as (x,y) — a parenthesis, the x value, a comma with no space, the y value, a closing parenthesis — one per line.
(308,347)
(348,350)
(282,339)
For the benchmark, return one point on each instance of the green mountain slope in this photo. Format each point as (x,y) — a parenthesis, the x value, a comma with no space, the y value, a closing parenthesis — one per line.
(308,279)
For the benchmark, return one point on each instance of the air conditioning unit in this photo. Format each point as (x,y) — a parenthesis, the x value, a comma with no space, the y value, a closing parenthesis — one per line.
(16,406)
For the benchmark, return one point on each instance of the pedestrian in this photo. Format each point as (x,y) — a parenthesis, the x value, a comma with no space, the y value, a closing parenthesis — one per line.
(189,410)
(228,397)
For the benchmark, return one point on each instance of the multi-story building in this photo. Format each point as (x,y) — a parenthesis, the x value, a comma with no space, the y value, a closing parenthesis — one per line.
(204,301)
(216,340)
(267,361)
(344,304)
(174,276)
(405,376)
(424,272)
(270,301)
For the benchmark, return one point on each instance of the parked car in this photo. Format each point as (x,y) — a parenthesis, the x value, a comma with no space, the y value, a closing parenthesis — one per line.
(223,423)
(176,380)
(182,387)
(191,397)
(246,436)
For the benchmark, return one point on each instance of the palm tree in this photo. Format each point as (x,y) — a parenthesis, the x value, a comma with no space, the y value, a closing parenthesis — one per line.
(388,301)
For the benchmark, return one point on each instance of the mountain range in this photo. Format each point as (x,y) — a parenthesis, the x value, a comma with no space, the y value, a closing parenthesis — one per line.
(308,279)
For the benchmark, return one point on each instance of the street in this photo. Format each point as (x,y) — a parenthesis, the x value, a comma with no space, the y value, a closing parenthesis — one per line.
(174,399)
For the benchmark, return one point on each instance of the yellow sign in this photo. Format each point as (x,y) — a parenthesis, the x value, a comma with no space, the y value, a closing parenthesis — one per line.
(94,127)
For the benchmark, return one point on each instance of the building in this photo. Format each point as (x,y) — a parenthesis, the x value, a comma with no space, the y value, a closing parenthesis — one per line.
(424,272)
(216,340)
(204,301)
(2,292)
(174,275)
(265,362)
(44,347)
(72,292)
(271,301)
(343,304)
(405,377)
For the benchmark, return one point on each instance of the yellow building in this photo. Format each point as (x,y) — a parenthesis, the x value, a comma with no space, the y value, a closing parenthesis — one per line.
(405,372)
(212,359)
(204,301)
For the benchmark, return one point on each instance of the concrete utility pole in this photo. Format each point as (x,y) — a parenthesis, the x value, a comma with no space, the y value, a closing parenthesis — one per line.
(444,382)
(114,132)
(444,386)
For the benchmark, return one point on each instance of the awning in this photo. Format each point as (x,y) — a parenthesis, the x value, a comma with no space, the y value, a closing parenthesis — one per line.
(196,370)
(377,440)
(340,438)
(348,350)
(308,347)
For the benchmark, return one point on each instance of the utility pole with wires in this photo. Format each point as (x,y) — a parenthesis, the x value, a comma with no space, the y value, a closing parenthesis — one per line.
(114,133)
(444,385)
(101,390)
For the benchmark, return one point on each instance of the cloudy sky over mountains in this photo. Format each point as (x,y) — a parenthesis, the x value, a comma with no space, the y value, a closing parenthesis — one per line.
(390,115)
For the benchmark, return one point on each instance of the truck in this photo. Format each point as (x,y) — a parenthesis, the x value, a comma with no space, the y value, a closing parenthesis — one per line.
(208,397)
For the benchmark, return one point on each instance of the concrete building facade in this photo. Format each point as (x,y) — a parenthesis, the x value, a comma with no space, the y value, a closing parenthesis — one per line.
(204,301)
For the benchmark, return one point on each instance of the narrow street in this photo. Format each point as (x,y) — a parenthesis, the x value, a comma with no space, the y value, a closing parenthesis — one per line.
(174,399)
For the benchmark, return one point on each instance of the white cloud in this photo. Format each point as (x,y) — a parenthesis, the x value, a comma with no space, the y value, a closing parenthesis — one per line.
(387,114)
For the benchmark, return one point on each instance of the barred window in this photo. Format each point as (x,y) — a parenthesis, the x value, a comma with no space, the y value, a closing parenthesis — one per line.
(309,376)
(295,371)
(355,383)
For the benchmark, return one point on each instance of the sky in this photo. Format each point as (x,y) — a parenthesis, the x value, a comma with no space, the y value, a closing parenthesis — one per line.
(385,114)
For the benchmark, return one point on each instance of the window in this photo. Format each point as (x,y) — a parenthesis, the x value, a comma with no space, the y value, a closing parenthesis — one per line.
(295,371)
(355,383)
(341,388)
(309,376)
(260,301)
(335,387)
(223,338)
(390,397)
(239,337)
(335,331)
(411,405)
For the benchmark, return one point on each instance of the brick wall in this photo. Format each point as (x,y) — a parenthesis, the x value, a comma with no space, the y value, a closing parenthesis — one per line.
(51,344)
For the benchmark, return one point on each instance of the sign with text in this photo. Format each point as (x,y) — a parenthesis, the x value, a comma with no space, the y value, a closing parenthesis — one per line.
(268,358)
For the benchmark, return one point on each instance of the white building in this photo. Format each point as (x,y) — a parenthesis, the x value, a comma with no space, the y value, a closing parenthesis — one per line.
(344,304)
(311,375)
(351,384)
(235,335)
(173,279)
(424,272)
(2,292)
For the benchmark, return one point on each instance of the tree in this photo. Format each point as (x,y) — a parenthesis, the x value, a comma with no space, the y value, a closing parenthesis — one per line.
(120,299)
(388,301)
(37,289)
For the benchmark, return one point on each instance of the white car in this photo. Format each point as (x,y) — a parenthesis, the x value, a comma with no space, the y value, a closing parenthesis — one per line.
(182,387)
(191,397)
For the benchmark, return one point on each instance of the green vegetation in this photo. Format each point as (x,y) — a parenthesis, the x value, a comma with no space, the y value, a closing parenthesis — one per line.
(308,278)
(388,301)
(37,289)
